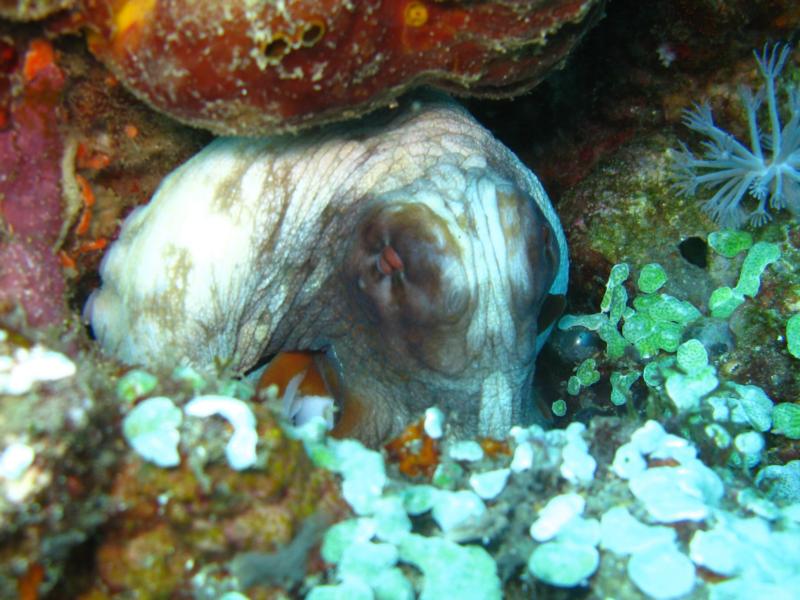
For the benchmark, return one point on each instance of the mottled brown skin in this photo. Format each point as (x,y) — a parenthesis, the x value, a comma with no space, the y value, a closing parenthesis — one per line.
(406,334)
(413,251)
(231,69)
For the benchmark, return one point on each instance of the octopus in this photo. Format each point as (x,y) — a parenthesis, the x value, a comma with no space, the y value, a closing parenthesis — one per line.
(415,255)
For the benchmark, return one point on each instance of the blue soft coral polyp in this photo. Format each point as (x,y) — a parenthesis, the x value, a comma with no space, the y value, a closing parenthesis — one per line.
(735,171)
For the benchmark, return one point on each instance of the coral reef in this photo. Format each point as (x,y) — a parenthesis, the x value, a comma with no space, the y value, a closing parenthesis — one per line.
(65,477)
(202,527)
(56,427)
(31,206)
(698,330)
(239,68)
(627,211)
(32,282)
(625,512)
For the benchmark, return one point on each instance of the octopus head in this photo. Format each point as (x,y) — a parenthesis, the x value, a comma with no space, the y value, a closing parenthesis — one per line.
(441,290)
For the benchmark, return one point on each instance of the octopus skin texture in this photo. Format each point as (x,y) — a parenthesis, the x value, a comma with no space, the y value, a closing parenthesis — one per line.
(256,67)
(412,250)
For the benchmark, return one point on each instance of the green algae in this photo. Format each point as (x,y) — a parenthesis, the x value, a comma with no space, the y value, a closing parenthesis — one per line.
(786,420)
(621,386)
(793,335)
(730,242)
(651,277)
(585,375)
(559,408)
(135,384)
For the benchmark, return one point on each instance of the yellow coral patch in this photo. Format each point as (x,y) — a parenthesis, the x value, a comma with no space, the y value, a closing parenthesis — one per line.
(131,13)
(415,14)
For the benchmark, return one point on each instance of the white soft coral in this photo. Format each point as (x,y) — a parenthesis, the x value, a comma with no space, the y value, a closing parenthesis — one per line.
(735,170)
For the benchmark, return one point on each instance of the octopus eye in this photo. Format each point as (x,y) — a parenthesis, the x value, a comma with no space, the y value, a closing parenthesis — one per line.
(408,267)
(389,262)
(407,279)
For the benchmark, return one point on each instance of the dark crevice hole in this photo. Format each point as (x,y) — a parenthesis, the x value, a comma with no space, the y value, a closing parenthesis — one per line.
(695,250)
(312,34)
(276,49)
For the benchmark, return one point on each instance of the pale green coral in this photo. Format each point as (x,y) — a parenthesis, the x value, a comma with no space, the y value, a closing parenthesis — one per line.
(681,373)
(559,408)
(651,278)
(151,428)
(452,570)
(564,564)
(135,384)
(585,375)
(367,550)
(730,242)
(621,386)
(786,420)
(793,336)
(692,356)
(725,300)
(655,322)
(658,323)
